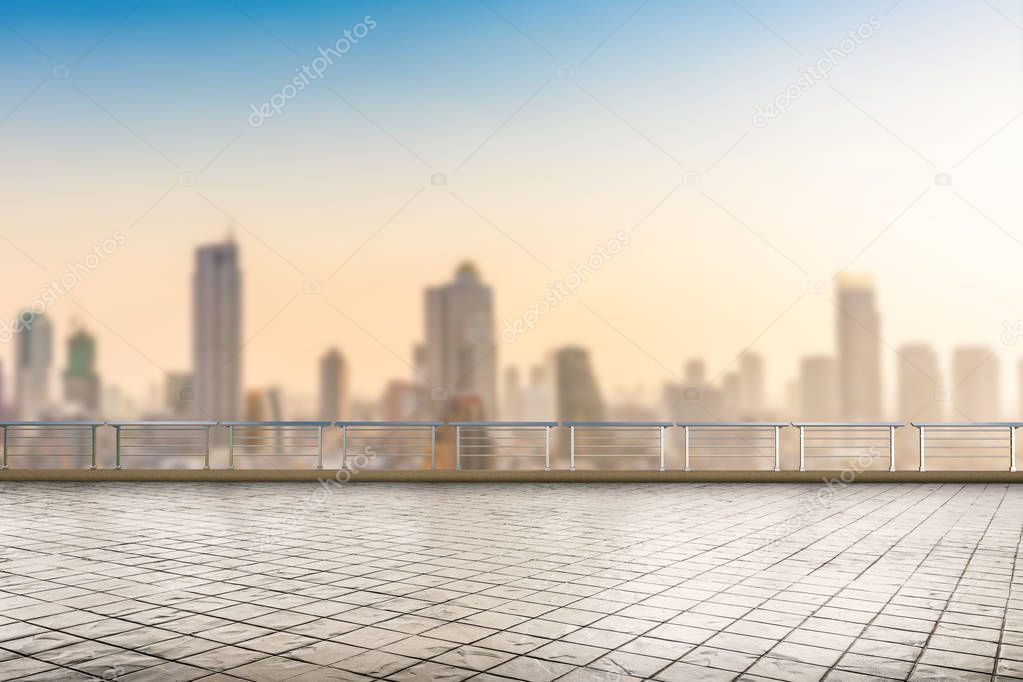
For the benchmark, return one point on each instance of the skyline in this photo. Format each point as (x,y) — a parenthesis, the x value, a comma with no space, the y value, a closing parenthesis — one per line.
(321,187)
(459,357)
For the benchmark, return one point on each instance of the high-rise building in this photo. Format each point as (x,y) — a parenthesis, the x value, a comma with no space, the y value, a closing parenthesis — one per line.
(81,383)
(333,386)
(859,349)
(511,404)
(460,351)
(578,397)
(34,344)
(751,379)
(178,395)
(537,399)
(975,384)
(263,405)
(818,389)
(919,379)
(216,333)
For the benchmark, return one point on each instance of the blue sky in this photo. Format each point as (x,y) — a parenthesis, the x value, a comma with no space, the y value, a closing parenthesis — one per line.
(539,168)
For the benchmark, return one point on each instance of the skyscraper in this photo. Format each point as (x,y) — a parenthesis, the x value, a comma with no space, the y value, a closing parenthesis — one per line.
(859,349)
(578,397)
(81,383)
(32,373)
(217,328)
(178,395)
(511,403)
(919,379)
(460,351)
(751,375)
(818,389)
(975,384)
(333,386)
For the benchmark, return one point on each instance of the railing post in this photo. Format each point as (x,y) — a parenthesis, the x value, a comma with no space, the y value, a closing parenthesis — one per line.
(922,467)
(319,448)
(685,447)
(891,448)
(92,463)
(458,448)
(433,447)
(206,453)
(547,448)
(661,429)
(777,448)
(230,447)
(571,448)
(344,448)
(1012,448)
(4,465)
(117,447)
(802,448)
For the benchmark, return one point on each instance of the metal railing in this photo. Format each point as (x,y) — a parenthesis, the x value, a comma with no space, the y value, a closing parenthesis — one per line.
(503,441)
(405,440)
(49,440)
(731,440)
(275,439)
(616,441)
(831,440)
(162,439)
(967,439)
(526,443)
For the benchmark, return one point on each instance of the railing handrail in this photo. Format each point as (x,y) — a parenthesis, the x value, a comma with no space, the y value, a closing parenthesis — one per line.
(536,424)
(637,424)
(164,423)
(279,423)
(733,424)
(936,425)
(369,423)
(895,425)
(41,423)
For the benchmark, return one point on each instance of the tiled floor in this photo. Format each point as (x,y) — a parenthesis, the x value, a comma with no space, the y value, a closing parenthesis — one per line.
(572,582)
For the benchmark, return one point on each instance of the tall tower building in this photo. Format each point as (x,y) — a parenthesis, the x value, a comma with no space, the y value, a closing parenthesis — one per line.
(919,379)
(578,397)
(460,351)
(216,332)
(818,389)
(81,383)
(511,403)
(859,349)
(333,386)
(975,384)
(32,372)
(751,379)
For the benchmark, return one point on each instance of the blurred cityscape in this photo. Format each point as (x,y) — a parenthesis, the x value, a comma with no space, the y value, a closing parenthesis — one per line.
(455,372)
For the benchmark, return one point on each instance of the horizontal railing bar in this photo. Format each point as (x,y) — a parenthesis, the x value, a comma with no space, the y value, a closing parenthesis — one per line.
(416,424)
(612,455)
(510,424)
(496,455)
(850,424)
(283,423)
(47,424)
(613,424)
(762,425)
(938,425)
(164,423)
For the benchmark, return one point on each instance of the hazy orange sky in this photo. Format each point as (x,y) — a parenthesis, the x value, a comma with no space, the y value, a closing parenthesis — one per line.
(652,134)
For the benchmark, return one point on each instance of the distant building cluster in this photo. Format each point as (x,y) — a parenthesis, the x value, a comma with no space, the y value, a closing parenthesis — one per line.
(455,372)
